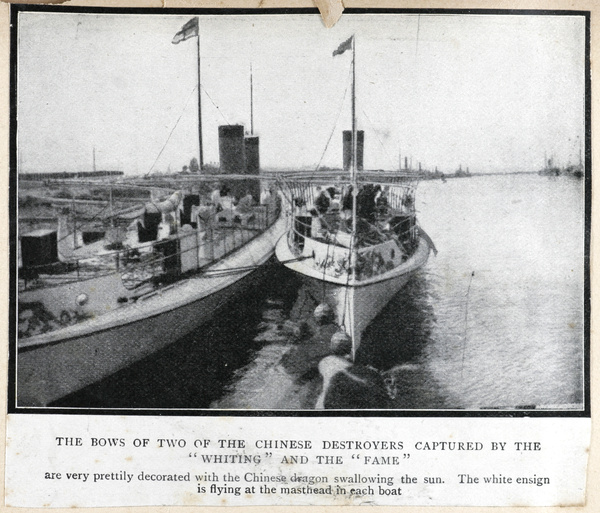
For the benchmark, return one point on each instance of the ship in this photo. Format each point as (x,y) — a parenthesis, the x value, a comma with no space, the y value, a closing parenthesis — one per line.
(94,298)
(83,319)
(575,170)
(354,239)
(549,169)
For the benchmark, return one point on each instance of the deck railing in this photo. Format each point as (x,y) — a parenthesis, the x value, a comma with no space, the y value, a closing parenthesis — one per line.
(180,254)
(369,261)
(404,229)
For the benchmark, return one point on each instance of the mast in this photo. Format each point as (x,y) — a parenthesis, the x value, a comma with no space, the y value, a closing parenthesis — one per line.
(94,159)
(110,200)
(74,220)
(353,167)
(353,157)
(251,103)
(201,157)
(189,30)
(399,159)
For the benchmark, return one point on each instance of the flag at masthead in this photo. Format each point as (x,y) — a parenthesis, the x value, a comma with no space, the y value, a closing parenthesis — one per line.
(346,45)
(189,30)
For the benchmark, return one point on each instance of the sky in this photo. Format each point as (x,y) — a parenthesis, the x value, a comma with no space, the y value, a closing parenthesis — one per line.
(490,92)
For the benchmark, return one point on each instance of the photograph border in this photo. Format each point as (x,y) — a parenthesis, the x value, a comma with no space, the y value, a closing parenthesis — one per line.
(12,310)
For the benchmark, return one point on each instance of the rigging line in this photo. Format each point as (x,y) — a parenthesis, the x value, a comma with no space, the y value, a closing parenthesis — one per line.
(466,314)
(172,130)
(234,270)
(334,125)
(380,141)
(418,29)
(283,185)
(84,224)
(215,105)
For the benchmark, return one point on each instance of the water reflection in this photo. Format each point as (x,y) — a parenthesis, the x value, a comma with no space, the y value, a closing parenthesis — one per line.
(396,341)
(389,372)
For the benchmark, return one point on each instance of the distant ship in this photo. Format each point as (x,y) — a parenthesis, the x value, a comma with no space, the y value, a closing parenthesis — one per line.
(575,170)
(549,169)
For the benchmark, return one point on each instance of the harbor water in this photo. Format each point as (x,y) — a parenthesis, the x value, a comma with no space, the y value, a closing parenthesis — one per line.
(494,321)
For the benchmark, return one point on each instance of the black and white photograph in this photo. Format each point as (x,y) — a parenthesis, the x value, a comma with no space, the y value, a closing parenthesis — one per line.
(221,212)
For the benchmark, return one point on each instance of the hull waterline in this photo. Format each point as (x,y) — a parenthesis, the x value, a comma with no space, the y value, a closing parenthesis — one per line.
(56,364)
(355,304)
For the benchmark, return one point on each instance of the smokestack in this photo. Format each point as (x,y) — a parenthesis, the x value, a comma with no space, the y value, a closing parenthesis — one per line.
(252,166)
(232,154)
(347,144)
(251,145)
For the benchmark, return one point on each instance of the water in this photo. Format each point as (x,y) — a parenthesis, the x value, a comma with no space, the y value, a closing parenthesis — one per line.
(494,321)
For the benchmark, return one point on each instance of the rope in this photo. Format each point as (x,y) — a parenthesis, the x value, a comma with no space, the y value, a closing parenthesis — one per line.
(172,130)
(223,272)
(82,225)
(87,223)
(466,332)
(418,30)
(334,126)
(235,270)
(376,135)
(215,105)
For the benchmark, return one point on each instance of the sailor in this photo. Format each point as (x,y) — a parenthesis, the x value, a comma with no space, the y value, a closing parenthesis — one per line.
(322,201)
(245,204)
(302,221)
(225,199)
(167,227)
(408,202)
(316,227)
(332,191)
(215,196)
(299,206)
(365,202)
(381,198)
(265,196)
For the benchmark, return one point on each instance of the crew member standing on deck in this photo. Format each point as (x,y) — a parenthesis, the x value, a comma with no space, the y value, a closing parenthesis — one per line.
(322,201)
(215,196)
